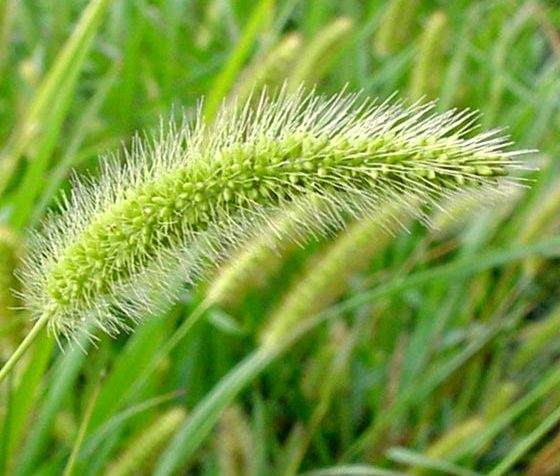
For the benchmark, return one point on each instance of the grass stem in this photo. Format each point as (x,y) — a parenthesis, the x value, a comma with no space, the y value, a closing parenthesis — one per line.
(22,348)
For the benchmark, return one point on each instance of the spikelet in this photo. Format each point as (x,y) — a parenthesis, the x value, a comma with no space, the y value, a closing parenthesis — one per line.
(127,241)
(327,278)
(318,55)
(143,446)
(395,26)
(10,255)
(426,73)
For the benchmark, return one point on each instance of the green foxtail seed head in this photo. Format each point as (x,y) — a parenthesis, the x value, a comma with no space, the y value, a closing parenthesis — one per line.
(125,242)
(395,26)
(327,277)
(235,443)
(268,70)
(318,55)
(254,262)
(143,446)
(328,371)
(426,73)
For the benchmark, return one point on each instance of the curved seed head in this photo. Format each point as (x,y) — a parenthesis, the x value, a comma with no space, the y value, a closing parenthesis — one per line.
(125,242)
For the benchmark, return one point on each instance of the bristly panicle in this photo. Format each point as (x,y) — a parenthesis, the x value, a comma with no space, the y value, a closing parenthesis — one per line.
(124,243)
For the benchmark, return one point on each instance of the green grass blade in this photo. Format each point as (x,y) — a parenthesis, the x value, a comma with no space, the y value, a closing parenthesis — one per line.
(352,470)
(72,461)
(412,458)
(128,367)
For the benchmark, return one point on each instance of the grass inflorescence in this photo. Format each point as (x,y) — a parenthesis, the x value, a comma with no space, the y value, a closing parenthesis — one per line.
(268,70)
(395,25)
(120,240)
(253,264)
(319,53)
(425,76)
(328,276)
(137,453)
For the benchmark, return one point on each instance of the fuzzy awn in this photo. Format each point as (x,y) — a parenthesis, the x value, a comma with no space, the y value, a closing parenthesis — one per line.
(123,240)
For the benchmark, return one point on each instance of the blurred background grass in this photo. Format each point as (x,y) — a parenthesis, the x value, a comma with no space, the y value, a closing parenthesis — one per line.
(450,365)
